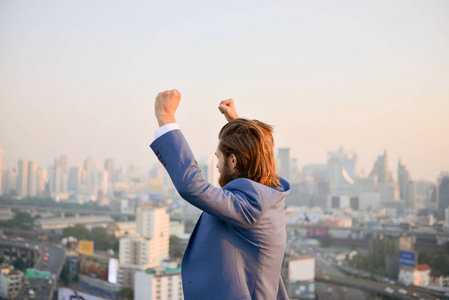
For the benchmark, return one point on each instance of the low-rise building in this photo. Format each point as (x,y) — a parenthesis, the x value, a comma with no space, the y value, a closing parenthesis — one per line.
(419,276)
(10,282)
(58,224)
(301,277)
(158,284)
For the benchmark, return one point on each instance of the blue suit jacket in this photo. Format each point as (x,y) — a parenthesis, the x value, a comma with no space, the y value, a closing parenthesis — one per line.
(237,246)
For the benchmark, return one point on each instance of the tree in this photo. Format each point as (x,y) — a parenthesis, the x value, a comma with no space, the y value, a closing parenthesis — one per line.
(29,263)
(325,241)
(19,264)
(23,220)
(103,239)
(113,226)
(65,274)
(78,231)
(176,249)
(127,293)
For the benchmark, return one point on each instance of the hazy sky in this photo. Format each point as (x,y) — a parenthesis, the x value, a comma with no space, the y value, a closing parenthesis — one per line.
(80,77)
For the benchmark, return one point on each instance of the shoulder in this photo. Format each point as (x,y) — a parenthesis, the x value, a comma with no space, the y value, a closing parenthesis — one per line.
(257,193)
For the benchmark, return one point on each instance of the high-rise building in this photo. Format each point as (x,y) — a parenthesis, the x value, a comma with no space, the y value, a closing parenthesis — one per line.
(32,179)
(348,160)
(109,166)
(42,180)
(135,251)
(9,182)
(443,195)
(149,247)
(1,170)
(381,168)
(407,188)
(342,183)
(75,178)
(284,160)
(22,179)
(154,223)
(403,179)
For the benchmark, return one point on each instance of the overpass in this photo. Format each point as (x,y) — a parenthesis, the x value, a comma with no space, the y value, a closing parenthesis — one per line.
(374,287)
(66,210)
(377,231)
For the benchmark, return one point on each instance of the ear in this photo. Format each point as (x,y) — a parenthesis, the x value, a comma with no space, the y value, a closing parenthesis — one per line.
(233,160)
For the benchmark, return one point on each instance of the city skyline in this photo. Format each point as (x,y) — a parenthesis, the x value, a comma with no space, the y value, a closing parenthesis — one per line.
(109,164)
(81,80)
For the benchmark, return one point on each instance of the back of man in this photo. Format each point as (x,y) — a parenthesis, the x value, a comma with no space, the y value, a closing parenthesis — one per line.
(236,248)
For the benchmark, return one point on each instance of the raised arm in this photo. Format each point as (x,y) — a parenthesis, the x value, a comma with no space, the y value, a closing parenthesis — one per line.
(165,106)
(241,208)
(227,108)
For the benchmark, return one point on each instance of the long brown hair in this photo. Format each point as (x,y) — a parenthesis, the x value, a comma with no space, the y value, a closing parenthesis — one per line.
(252,143)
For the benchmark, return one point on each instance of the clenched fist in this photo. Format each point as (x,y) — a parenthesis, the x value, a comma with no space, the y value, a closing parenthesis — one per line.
(165,106)
(227,108)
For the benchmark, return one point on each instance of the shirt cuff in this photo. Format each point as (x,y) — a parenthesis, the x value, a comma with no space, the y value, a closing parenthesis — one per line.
(164,129)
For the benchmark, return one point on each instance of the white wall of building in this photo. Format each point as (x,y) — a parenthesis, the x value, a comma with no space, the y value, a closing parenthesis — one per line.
(301,269)
(154,287)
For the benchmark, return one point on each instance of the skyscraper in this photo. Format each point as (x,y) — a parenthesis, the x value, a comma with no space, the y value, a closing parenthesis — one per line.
(348,160)
(74,181)
(9,182)
(443,195)
(22,179)
(42,180)
(32,179)
(407,188)
(381,168)
(284,160)
(109,166)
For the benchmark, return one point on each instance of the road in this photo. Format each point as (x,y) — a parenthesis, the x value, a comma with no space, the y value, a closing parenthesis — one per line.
(325,266)
(43,288)
(373,286)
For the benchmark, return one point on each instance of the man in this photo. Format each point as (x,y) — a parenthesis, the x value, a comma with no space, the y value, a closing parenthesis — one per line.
(236,249)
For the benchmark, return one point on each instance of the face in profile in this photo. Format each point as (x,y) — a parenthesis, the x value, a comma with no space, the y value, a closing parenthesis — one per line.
(225,169)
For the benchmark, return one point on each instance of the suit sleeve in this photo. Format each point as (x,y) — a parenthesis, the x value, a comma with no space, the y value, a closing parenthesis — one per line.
(238,206)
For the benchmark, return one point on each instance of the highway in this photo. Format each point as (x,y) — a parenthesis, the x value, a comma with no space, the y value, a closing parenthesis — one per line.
(43,288)
(325,267)
(372,286)
(330,272)
(377,231)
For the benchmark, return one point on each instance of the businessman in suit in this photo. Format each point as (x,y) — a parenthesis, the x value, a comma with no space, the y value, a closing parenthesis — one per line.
(236,249)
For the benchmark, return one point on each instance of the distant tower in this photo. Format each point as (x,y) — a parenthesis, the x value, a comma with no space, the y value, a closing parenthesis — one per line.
(109,166)
(443,195)
(42,179)
(32,179)
(381,168)
(348,160)
(63,164)
(407,189)
(10,182)
(75,178)
(1,171)
(22,179)
(284,160)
